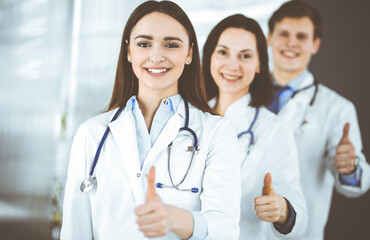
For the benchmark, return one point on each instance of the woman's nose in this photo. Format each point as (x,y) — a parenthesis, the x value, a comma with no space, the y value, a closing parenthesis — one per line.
(233,64)
(156,55)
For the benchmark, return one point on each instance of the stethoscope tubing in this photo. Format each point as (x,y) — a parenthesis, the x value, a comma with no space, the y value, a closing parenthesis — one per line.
(315,84)
(249,131)
(97,154)
(91,181)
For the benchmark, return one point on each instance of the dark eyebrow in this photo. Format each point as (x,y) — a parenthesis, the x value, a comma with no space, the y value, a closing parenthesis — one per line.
(166,38)
(242,51)
(172,38)
(144,36)
(222,46)
(247,50)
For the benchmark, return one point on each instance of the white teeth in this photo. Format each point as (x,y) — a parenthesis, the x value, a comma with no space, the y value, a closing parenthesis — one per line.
(230,77)
(157,71)
(289,54)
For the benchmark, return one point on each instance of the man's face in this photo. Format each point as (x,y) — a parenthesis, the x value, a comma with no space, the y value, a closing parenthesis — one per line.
(292,43)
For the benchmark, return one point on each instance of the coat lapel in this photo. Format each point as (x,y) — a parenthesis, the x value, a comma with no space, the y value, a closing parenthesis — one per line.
(168,134)
(124,134)
(296,108)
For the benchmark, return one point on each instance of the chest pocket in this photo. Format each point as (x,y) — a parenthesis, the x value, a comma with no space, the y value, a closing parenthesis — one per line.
(180,157)
(311,135)
(309,127)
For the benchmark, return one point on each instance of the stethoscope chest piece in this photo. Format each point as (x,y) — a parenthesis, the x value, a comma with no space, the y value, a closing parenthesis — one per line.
(88,184)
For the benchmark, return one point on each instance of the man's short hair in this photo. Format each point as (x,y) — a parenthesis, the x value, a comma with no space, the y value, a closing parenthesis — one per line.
(297,9)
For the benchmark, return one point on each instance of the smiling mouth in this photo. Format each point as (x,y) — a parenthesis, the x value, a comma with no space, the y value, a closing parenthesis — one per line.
(157,70)
(230,77)
(289,54)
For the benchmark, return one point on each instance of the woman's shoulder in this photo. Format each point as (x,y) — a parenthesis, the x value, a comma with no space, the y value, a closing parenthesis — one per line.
(98,122)
(213,124)
(207,117)
(271,122)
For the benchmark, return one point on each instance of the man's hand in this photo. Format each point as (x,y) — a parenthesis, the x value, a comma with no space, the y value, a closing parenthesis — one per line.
(346,157)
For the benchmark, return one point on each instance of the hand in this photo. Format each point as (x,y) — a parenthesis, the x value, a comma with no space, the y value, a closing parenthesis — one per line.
(345,157)
(271,207)
(152,216)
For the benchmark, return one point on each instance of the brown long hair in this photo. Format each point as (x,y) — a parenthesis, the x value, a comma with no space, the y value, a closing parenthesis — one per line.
(261,89)
(190,84)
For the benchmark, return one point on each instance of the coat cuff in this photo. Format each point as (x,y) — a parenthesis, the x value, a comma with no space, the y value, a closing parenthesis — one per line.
(200,230)
(287,227)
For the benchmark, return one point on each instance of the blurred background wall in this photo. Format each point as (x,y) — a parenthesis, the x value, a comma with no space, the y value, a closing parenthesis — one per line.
(57,68)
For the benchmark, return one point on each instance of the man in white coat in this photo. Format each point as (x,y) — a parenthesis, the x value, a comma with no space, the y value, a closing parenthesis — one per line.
(325,124)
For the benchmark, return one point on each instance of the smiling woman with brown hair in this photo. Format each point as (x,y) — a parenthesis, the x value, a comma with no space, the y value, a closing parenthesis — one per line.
(235,69)
(158,117)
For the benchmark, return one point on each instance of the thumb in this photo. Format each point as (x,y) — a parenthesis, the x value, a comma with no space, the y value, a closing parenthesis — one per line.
(345,137)
(267,188)
(150,194)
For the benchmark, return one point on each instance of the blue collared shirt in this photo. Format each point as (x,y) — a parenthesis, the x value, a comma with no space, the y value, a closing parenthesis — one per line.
(283,94)
(146,140)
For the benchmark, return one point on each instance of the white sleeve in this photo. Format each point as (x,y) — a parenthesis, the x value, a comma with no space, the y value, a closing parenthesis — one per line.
(77,223)
(285,175)
(347,113)
(222,185)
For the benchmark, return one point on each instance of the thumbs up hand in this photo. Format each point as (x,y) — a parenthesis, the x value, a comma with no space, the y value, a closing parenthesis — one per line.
(270,207)
(153,216)
(345,157)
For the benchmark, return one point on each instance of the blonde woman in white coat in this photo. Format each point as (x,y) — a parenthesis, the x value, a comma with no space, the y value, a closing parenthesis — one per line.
(162,120)
(235,68)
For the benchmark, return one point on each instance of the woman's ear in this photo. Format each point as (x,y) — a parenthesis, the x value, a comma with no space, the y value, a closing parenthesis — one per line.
(189,58)
(129,59)
(258,70)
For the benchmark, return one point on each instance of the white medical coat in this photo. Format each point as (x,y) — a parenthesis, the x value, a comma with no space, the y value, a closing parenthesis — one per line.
(273,151)
(318,130)
(107,212)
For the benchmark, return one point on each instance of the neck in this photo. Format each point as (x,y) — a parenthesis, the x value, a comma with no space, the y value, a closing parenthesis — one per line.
(224,100)
(149,103)
(283,77)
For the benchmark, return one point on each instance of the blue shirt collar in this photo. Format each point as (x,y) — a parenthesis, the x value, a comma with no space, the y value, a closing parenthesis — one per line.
(172,103)
(295,82)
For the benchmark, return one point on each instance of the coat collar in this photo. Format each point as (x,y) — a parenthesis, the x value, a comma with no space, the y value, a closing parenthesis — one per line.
(124,135)
(295,110)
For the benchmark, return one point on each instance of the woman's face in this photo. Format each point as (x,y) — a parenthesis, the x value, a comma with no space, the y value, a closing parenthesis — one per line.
(159,50)
(235,61)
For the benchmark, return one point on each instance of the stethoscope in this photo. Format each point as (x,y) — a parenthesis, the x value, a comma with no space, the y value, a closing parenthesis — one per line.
(314,84)
(249,131)
(90,182)
(191,149)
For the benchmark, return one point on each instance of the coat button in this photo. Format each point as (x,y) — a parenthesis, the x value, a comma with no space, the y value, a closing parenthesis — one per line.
(138,175)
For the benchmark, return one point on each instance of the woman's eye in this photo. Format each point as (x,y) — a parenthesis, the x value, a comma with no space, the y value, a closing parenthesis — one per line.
(246,56)
(221,52)
(172,45)
(143,44)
